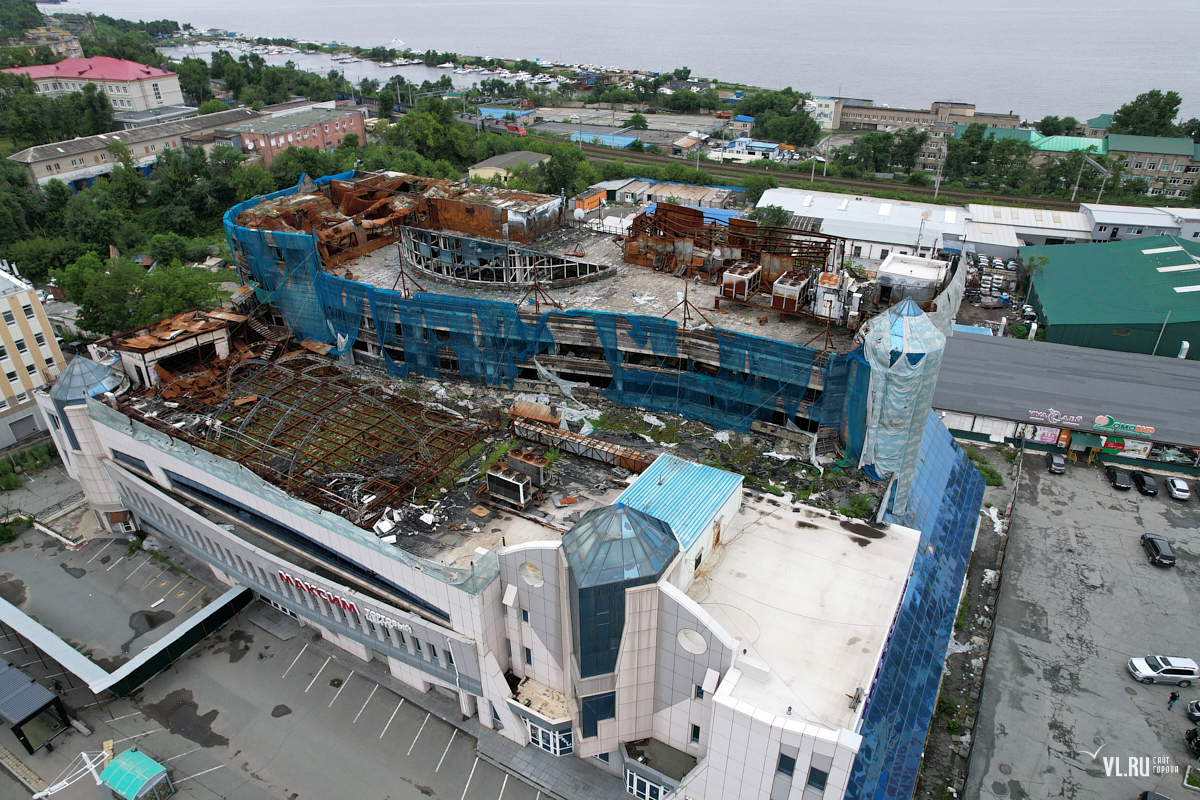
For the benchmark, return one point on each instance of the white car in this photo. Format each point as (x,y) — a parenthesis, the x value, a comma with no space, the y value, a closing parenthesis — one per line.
(1178,488)
(1164,669)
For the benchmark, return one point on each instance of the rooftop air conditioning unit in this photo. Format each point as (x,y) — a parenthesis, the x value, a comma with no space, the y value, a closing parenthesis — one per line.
(528,462)
(510,486)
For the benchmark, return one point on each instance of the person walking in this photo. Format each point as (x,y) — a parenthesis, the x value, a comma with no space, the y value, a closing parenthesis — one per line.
(1171,700)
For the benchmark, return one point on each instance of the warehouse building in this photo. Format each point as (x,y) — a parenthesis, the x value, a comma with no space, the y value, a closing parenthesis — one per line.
(1135,296)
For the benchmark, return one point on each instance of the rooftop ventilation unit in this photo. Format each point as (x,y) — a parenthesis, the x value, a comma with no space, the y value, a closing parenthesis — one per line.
(509,486)
(529,462)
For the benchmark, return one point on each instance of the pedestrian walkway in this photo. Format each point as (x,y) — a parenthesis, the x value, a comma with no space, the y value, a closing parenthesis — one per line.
(24,774)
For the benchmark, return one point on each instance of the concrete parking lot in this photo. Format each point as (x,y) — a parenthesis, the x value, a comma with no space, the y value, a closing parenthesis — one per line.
(1060,715)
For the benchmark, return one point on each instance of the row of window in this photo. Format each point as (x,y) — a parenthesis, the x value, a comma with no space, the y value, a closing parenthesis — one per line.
(21,346)
(67,86)
(235,563)
(557,743)
(101,157)
(1166,166)
(817,778)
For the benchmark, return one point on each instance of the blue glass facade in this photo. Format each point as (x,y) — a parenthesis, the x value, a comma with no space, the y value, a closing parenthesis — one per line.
(596,708)
(944,505)
(609,550)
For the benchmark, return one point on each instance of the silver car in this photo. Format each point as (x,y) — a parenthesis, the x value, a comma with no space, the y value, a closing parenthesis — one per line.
(1164,669)
(1178,488)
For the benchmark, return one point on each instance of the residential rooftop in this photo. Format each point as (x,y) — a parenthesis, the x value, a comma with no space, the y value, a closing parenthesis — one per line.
(810,597)
(286,123)
(96,68)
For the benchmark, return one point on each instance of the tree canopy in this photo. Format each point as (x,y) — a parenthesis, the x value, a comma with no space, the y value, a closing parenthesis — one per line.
(1151,113)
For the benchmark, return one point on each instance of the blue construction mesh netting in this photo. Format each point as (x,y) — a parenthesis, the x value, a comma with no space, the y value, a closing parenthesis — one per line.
(490,341)
(944,506)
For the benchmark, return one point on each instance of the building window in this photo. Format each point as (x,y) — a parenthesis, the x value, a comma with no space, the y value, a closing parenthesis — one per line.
(858,251)
(28,310)
(11,375)
(641,788)
(696,733)
(54,422)
(1152,165)
(528,656)
(1190,170)
(556,743)
(884,253)
(603,757)
(596,708)
(20,398)
(817,779)
(21,346)
(1174,181)
(1138,165)
(786,765)
(157,94)
(1188,181)
(417,643)
(3,403)
(49,362)
(1166,167)
(1179,167)
(524,615)
(30,368)
(40,338)
(3,352)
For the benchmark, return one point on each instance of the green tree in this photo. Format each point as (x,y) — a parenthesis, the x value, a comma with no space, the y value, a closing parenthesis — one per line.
(1149,114)
(908,146)
(37,256)
(639,123)
(212,107)
(125,182)
(193,79)
(1191,129)
(387,102)
(771,216)
(170,290)
(755,185)
(252,181)
(169,248)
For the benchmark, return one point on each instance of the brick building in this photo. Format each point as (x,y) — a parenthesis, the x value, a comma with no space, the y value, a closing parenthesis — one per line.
(321,128)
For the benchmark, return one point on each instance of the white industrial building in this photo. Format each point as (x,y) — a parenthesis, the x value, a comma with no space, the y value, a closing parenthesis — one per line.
(1128,222)
(875,228)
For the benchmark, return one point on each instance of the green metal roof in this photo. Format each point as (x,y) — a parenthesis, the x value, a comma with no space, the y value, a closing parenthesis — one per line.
(1069,144)
(1151,144)
(128,773)
(1102,121)
(1136,281)
(1049,144)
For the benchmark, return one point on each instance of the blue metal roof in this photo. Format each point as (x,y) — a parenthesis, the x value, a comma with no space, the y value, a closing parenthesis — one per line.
(971,329)
(499,113)
(608,139)
(683,494)
(129,773)
(743,118)
(614,544)
(719,214)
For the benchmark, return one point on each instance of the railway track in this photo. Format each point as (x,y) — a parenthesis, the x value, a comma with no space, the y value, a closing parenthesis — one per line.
(739,172)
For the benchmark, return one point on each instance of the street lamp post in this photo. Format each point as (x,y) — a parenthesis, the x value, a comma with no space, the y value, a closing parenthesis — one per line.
(579,121)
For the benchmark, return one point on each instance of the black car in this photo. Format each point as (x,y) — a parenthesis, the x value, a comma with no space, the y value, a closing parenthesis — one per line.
(1056,463)
(1158,550)
(1193,711)
(1144,483)
(1192,740)
(1119,478)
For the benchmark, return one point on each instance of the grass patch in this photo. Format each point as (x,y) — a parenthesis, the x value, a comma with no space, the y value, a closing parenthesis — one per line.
(14,466)
(11,529)
(946,707)
(1193,778)
(859,506)
(498,452)
(990,476)
(975,455)
(1010,453)
(954,727)
(964,610)
(552,454)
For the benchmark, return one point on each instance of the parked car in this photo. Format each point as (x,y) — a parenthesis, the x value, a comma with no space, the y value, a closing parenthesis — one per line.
(1144,482)
(1158,550)
(1056,463)
(1191,739)
(1193,711)
(1152,795)
(1119,478)
(1164,669)
(1178,488)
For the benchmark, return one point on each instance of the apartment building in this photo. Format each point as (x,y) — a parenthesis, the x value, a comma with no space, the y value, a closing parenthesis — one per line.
(29,357)
(128,85)
(1171,166)
(78,162)
(850,114)
(318,128)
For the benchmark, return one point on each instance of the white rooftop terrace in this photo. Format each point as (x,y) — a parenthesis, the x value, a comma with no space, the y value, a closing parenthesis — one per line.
(811,597)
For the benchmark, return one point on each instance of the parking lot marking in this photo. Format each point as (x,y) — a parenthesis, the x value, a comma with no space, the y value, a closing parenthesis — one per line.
(322,669)
(294,660)
(472,775)
(198,774)
(168,591)
(197,750)
(502,786)
(98,552)
(152,580)
(137,735)
(127,716)
(453,733)
(135,569)
(392,717)
(339,691)
(190,599)
(364,705)
(418,736)
(113,564)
